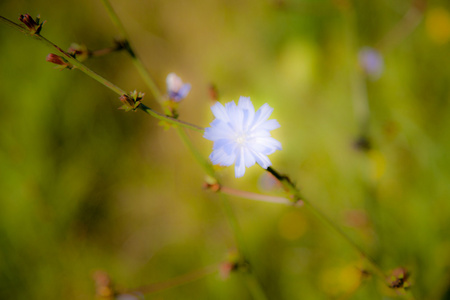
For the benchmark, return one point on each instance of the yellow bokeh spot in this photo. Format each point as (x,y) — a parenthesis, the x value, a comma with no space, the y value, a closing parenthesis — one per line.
(292,225)
(341,280)
(377,164)
(437,24)
(296,65)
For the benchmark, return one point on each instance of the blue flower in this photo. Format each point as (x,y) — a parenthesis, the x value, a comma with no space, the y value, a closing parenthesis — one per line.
(241,136)
(176,90)
(371,61)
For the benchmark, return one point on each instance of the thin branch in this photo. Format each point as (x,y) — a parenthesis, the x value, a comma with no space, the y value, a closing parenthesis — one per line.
(96,76)
(177,281)
(256,197)
(292,188)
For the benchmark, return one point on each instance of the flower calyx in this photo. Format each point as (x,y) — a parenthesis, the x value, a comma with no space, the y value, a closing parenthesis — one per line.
(34,26)
(234,263)
(211,184)
(131,101)
(123,45)
(79,51)
(399,279)
(288,185)
(60,61)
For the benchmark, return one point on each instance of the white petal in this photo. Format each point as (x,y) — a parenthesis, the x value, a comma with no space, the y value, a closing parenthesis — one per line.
(222,143)
(236,119)
(218,130)
(262,160)
(261,115)
(265,145)
(269,125)
(245,103)
(259,133)
(239,167)
(184,90)
(248,157)
(230,108)
(219,111)
(173,82)
(219,157)
(249,112)
(229,147)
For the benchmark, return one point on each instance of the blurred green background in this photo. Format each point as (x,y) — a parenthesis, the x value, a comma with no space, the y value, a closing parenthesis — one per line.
(86,187)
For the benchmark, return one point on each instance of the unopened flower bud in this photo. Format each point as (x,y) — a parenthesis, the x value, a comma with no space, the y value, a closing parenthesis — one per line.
(58,60)
(399,278)
(225,269)
(80,52)
(213,93)
(131,101)
(176,89)
(33,25)
(234,262)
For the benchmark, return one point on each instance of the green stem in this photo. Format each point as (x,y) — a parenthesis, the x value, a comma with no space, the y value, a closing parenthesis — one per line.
(136,61)
(115,19)
(155,91)
(288,185)
(232,220)
(343,235)
(97,77)
(250,279)
(291,187)
(171,120)
(255,196)
(177,281)
(252,283)
(198,156)
(67,56)
(254,287)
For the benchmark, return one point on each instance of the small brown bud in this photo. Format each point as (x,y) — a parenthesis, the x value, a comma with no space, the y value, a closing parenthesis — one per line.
(33,25)
(225,269)
(399,278)
(213,92)
(104,287)
(215,187)
(131,101)
(80,52)
(58,60)
(362,143)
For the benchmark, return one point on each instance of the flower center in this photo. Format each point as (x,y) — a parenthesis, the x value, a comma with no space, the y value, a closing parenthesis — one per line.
(241,138)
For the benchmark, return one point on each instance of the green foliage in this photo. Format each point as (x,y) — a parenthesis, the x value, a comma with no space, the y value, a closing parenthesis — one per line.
(87,187)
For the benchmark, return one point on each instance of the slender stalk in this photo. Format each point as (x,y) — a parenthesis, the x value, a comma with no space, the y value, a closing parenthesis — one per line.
(102,52)
(155,91)
(251,281)
(232,220)
(344,236)
(405,26)
(291,187)
(141,68)
(254,287)
(171,120)
(136,61)
(177,281)
(197,155)
(66,55)
(97,77)
(253,196)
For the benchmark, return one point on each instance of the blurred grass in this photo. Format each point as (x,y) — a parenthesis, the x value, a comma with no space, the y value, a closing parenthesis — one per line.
(86,187)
